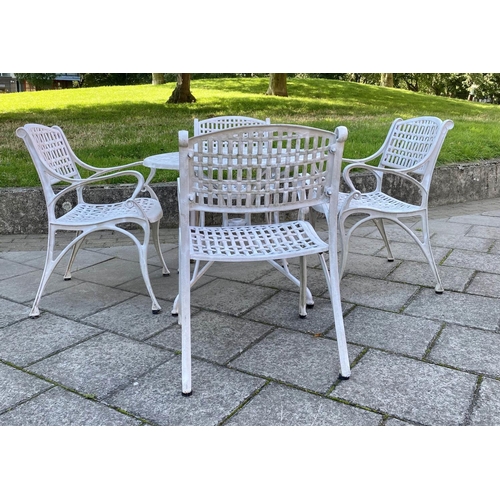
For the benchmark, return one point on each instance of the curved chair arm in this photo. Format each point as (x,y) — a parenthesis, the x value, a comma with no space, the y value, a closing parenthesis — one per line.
(104,170)
(364,160)
(79,183)
(403,173)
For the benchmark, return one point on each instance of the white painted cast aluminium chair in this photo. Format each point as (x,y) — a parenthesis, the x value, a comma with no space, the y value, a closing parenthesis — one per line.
(410,152)
(235,182)
(57,164)
(222,123)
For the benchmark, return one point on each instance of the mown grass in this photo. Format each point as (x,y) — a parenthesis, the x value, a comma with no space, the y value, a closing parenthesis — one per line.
(115,125)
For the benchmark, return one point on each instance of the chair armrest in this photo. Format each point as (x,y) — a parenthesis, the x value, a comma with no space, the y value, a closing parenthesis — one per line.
(79,183)
(403,173)
(105,170)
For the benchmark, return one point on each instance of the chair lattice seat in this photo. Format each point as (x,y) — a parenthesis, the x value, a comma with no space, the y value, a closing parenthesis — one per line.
(262,242)
(87,213)
(378,201)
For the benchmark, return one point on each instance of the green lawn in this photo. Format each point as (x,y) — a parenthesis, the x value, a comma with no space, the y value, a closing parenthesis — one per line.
(114,125)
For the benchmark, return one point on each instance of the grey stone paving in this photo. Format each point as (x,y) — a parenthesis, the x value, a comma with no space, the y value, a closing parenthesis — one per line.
(97,356)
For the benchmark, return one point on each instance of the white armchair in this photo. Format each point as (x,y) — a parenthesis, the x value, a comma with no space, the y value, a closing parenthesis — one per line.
(409,152)
(57,164)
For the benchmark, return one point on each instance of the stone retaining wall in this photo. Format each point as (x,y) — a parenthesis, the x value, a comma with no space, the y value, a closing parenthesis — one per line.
(22,210)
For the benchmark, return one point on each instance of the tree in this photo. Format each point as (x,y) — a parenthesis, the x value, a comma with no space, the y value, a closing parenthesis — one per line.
(158,78)
(277,84)
(182,91)
(41,81)
(387,79)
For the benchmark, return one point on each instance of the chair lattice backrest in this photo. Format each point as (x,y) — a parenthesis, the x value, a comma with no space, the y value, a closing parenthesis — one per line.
(53,152)
(263,167)
(223,122)
(415,144)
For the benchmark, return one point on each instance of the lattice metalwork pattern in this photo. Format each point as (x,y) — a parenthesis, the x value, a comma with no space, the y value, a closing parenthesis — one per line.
(53,150)
(264,242)
(411,142)
(256,169)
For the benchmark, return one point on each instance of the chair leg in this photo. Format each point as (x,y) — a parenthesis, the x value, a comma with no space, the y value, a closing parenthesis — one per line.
(344,245)
(76,247)
(47,271)
(381,229)
(185,313)
(283,269)
(303,287)
(143,261)
(197,274)
(332,277)
(155,226)
(427,250)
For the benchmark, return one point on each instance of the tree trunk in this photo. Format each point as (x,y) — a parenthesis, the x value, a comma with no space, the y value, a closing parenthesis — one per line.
(158,78)
(277,84)
(387,79)
(182,92)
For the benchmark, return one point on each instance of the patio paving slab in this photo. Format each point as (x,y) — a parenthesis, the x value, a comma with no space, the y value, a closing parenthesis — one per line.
(131,318)
(277,405)
(165,287)
(487,263)
(454,307)
(101,364)
(316,280)
(375,293)
(370,266)
(462,242)
(410,251)
(83,260)
(111,272)
(389,331)
(9,268)
(31,340)
(215,337)
(60,407)
(419,273)
(486,411)
(468,349)
(18,386)
(282,310)
(409,389)
(230,297)
(485,232)
(476,219)
(85,299)
(156,397)
(10,312)
(296,358)
(485,284)
(23,288)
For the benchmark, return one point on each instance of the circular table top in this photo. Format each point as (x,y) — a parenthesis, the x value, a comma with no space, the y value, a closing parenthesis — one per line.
(166,161)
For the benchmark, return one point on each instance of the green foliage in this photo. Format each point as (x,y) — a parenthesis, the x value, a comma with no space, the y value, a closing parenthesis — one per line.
(108,79)
(116,125)
(41,81)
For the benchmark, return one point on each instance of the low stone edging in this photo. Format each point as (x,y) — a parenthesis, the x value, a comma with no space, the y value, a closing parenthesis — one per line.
(22,210)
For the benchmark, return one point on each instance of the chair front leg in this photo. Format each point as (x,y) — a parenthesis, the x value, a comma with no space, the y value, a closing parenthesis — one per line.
(155,226)
(303,287)
(76,247)
(381,229)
